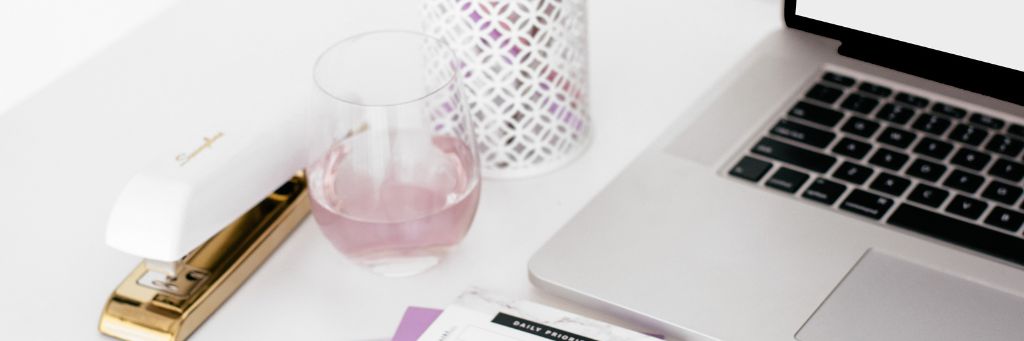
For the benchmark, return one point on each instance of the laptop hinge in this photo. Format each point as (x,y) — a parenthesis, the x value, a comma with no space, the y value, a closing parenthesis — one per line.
(971,75)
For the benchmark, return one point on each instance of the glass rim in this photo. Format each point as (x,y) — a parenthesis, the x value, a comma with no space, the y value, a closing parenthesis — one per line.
(316,66)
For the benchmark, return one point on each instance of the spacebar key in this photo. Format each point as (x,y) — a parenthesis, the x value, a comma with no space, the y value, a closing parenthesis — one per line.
(956,231)
(794,155)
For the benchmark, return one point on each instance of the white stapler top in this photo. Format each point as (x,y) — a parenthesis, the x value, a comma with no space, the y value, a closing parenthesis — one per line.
(175,205)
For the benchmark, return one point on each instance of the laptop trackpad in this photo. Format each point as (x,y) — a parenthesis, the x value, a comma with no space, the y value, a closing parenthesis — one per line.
(887,298)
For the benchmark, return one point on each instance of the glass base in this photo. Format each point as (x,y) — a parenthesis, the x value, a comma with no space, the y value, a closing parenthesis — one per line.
(402,265)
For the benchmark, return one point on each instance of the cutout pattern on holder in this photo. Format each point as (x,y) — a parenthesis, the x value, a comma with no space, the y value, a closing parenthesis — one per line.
(524,76)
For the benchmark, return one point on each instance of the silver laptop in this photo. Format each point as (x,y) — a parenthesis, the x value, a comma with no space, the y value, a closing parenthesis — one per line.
(858,177)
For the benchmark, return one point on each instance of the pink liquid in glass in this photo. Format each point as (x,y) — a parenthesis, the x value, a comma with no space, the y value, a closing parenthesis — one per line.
(395,202)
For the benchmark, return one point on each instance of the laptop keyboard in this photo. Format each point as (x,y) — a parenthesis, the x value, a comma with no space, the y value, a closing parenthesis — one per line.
(900,159)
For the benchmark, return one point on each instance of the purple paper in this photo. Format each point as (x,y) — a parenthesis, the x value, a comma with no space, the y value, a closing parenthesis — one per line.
(415,321)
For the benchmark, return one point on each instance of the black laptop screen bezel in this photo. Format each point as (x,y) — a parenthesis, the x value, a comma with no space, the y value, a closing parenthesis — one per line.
(965,73)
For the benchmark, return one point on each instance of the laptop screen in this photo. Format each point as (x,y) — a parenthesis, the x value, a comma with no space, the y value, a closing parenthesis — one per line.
(984,30)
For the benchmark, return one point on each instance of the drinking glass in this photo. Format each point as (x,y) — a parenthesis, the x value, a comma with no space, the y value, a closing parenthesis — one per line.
(393,169)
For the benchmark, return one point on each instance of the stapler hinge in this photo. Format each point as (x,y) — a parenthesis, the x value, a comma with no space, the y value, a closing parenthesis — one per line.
(169,301)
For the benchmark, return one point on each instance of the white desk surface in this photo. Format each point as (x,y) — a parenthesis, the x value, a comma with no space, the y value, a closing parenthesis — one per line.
(60,171)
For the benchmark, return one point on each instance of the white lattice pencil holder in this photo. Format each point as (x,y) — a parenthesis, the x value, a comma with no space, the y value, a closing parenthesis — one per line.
(524,76)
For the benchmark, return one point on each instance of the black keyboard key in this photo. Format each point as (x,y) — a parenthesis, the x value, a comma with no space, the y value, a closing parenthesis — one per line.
(949,110)
(824,191)
(750,168)
(803,133)
(987,121)
(838,79)
(786,180)
(875,89)
(928,195)
(896,137)
(851,148)
(968,134)
(890,184)
(816,113)
(852,172)
(963,181)
(895,113)
(971,159)
(1001,192)
(959,232)
(866,204)
(1008,170)
(932,124)
(1005,145)
(889,159)
(966,207)
(860,103)
(913,100)
(1005,219)
(933,148)
(860,127)
(926,170)
(824,93)
(791,154)
(1016,130)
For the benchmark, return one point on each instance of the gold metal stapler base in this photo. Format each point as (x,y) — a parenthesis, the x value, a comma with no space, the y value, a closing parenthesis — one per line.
(149,306)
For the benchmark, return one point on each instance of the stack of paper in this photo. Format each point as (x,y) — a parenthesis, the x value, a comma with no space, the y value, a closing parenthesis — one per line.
(477,316)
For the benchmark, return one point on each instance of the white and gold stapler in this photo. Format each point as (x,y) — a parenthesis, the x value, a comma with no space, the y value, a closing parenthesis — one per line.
(203,220)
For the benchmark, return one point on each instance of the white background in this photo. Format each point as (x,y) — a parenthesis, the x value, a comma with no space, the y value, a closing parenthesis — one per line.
(42,39)
(988,30)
